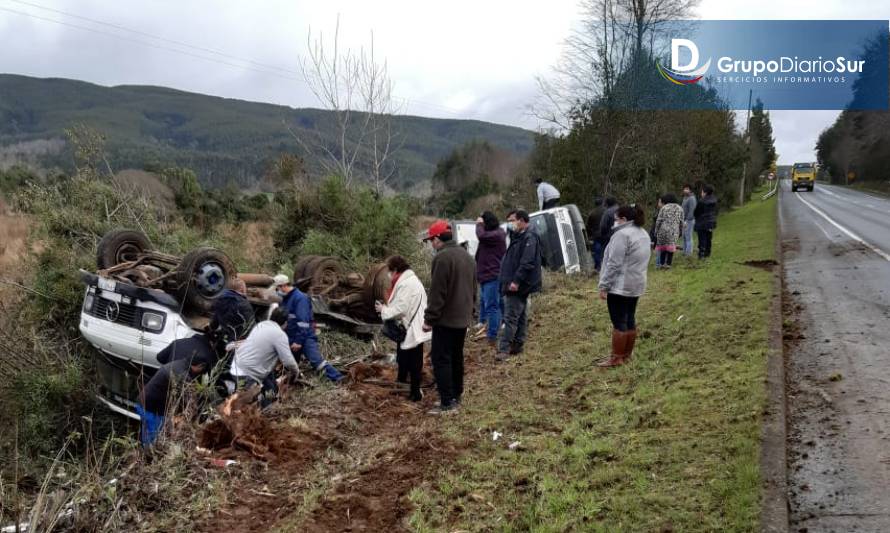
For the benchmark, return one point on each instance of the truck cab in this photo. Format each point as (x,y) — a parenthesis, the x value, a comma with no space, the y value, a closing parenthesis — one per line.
(563,238)
(128,326)
(803,176)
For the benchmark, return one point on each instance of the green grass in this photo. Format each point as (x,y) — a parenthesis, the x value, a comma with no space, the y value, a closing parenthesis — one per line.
(669,442)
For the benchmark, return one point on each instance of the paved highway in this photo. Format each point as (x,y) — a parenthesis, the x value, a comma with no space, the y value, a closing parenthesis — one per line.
(836,251)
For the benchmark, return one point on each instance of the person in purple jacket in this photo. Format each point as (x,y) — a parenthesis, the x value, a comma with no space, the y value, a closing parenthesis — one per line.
(492,247)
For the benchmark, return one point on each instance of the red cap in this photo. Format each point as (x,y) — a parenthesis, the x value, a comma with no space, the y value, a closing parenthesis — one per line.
(438,228)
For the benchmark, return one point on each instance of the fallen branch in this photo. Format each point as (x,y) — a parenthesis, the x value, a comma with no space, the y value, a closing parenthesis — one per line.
(25,288)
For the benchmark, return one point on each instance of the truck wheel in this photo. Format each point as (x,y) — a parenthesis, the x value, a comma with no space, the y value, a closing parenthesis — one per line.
(325,273)
(376,286)
(120,246)
(202,275)
(300,266)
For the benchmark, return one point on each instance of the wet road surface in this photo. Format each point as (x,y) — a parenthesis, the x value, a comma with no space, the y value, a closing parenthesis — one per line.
(836,249)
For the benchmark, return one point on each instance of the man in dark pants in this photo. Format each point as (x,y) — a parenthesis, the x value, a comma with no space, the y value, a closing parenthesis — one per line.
(449,312)
(520,277)
(705,220)
(161,393)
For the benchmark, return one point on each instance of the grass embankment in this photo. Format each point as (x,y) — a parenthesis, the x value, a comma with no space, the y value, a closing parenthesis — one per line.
(668,442)
(875,187)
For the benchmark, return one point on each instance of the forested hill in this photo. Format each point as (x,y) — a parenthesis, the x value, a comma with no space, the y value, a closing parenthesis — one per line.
(223,140)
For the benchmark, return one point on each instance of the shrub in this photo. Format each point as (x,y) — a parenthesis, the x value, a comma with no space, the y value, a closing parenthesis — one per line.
(353,224)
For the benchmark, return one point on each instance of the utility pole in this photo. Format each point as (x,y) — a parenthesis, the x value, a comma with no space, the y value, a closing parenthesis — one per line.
(747,155)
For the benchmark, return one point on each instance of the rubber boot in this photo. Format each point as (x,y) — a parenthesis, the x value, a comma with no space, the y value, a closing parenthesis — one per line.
(619,339)
(631,339)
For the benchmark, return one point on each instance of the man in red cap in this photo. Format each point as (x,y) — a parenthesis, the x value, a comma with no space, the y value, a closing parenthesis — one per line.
(449,312)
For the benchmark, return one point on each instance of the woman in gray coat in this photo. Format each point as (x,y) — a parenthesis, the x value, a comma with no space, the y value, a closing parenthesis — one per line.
(623,279)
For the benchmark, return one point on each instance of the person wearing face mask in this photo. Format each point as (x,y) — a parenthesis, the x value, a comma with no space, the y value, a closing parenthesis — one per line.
(520,277)
(301,327)
(623,280)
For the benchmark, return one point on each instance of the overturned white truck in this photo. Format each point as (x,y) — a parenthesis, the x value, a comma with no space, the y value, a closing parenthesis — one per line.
(140,300)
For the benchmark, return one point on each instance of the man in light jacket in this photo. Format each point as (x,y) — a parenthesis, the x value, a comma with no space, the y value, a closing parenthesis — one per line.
(406,302)
(548,195)
(255,356)
(689,203)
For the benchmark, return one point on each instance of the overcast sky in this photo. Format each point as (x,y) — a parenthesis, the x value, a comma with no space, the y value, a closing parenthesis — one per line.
(460,59)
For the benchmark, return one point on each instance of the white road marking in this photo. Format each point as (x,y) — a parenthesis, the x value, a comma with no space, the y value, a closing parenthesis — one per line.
(849,233)
(820,226)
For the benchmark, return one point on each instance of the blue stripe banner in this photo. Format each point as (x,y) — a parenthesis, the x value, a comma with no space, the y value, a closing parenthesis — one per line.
(788,64)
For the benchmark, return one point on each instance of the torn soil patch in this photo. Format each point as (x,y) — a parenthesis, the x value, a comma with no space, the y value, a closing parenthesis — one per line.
(763,264)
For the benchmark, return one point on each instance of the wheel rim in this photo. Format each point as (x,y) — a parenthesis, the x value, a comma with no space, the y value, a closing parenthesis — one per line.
(127,252)
(210,279)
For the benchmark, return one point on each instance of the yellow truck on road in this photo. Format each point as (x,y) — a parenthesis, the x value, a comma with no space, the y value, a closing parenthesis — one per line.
(803,176)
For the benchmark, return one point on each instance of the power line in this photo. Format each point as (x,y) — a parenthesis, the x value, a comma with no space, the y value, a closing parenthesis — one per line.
(157,37)
(259,67)
(148,44)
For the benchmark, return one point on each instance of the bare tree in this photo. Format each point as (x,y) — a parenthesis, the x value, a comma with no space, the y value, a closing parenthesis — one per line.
(359,91)
(609,38)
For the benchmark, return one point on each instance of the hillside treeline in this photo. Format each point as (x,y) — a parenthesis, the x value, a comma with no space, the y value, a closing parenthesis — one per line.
(858,143)
(223,141)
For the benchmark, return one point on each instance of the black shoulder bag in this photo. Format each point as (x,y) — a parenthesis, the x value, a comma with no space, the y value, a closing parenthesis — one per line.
(394,330)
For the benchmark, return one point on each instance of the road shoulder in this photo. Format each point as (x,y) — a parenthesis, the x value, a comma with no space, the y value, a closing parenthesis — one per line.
(773,451)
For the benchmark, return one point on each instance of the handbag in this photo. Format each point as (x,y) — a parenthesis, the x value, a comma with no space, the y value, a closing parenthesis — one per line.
(394,330)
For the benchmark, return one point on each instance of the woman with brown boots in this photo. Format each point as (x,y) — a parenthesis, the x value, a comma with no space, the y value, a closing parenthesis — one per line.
(623,279)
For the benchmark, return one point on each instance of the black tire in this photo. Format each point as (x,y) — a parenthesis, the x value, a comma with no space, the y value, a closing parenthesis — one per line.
(203,275)
(119,246)
(300,266)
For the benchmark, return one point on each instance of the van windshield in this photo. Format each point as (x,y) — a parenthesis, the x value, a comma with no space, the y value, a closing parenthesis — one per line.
(803,166)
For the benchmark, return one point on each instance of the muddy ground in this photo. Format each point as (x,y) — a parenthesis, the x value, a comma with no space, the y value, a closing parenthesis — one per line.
(344,459)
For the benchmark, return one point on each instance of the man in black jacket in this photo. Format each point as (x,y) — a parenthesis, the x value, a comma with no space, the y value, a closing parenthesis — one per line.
(449,312)
(520,277)
(232,318)
(705,220)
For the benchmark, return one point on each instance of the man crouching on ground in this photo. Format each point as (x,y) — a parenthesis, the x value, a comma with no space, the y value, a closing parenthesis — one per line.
(449,312)
(255,357)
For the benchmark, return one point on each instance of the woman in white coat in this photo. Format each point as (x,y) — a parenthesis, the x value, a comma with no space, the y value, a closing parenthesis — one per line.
(406,302)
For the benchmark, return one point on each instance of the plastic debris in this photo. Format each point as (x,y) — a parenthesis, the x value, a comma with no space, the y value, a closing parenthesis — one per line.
(223,463)
(514,445)
(495,435)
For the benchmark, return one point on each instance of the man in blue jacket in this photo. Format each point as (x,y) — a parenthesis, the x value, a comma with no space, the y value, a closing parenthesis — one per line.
(301,327)
(520,277)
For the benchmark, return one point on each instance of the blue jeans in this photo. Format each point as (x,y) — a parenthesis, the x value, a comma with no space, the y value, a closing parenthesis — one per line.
(657,257)
(312,354)
(152,424)
(490,308)
(687,237)
(598,248)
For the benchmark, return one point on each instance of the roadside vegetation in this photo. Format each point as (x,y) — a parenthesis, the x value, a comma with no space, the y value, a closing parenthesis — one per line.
(48,381)
(667,443)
